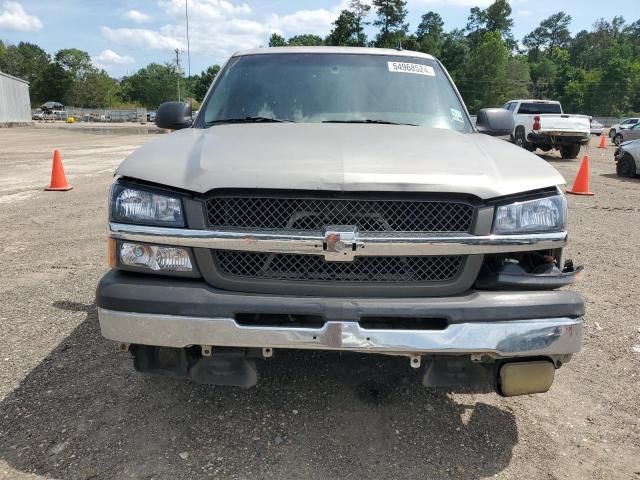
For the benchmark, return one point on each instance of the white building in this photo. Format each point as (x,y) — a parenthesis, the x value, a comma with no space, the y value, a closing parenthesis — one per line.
(15,106)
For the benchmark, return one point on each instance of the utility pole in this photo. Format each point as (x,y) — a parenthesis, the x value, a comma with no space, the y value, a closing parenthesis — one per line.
(186,14)
(178,70)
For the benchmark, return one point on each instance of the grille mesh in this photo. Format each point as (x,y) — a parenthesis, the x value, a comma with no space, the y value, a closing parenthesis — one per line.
(313,214)
(315,268)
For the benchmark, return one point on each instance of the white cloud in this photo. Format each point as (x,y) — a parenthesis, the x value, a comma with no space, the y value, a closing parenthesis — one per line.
(524,13)
(304,21)
(141,38)
(137,16)
(109,57)
(208,9)
(13,17)
(217,28)
(112,62)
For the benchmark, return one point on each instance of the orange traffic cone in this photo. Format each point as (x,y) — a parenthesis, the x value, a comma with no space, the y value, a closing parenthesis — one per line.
(603,142)
(58,179)
(581,184)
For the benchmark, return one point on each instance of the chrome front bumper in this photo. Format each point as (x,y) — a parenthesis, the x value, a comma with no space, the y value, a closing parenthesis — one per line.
(514,338)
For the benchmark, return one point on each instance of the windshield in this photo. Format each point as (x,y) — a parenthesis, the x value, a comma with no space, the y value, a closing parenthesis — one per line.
(351,88)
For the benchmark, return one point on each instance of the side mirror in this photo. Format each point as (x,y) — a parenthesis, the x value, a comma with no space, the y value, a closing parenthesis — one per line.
(496,122)
(174,115)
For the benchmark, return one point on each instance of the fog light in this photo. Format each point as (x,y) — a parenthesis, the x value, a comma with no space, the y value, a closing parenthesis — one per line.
(153,257)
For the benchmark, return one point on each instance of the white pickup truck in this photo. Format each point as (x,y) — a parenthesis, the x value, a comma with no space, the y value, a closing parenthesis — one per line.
(542,124)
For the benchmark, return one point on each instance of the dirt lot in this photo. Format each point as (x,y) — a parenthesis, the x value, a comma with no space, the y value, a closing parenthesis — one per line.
(72,407)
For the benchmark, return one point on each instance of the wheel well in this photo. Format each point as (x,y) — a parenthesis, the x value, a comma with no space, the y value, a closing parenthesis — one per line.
(519,128)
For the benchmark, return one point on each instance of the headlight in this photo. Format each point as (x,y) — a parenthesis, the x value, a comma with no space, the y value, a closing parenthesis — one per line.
(542,215)
(132,204)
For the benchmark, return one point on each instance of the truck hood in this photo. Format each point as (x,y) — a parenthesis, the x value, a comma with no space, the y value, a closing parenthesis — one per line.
(340,157)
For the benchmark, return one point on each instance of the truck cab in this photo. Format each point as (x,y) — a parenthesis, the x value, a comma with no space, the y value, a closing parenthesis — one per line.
(340,199)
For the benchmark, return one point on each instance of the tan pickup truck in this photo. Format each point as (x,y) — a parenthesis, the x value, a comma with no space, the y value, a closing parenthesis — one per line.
(340,199)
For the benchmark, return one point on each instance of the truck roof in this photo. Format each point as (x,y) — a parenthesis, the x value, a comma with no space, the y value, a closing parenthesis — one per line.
(344,50)
(533,100)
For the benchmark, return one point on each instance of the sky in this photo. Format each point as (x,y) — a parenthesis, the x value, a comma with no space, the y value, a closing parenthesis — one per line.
(124,35)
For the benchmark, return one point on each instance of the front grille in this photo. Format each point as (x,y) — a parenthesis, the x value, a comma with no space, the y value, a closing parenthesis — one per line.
(313,268)
(314,213)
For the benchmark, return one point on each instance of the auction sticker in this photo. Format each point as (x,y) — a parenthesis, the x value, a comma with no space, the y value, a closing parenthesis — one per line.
(417,68)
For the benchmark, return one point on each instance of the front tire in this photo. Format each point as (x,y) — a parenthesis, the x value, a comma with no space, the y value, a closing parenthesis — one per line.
(612,133)
(570,151)
(618,139)
(626,167)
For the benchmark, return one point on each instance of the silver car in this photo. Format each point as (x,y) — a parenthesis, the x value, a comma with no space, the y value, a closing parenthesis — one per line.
(626,134)
(628,159)
(627,123)
(596,128)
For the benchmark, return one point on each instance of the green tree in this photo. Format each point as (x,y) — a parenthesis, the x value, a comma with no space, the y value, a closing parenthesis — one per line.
(553,32)
(591,49)
(277,40)
(53,84)
(76,62)
(25,61)
(96,89)
(518,79)
(344,30)
(391,20)
(486,74)
(360,11)
(430,33)
(152,85)
(305,40)
(496,17)
(3,52)
(202,82)
(454,53)
(633,35)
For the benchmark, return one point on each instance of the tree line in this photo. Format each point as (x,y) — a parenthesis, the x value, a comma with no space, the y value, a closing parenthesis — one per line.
(594,72)
(70,77)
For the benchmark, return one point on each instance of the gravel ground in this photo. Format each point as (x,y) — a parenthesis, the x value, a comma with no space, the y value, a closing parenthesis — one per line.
(72,407)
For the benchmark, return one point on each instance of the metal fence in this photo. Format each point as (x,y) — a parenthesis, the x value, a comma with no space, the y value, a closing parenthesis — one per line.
(15,106)
(105,115)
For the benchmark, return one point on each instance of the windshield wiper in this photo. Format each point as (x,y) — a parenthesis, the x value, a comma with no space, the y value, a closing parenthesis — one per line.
(381,122)
(247,120)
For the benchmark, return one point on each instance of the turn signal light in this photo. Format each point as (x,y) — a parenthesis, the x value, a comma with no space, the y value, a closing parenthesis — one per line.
(111,253)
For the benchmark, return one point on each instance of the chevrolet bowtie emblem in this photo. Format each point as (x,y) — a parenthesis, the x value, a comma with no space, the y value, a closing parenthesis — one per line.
(340,242)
